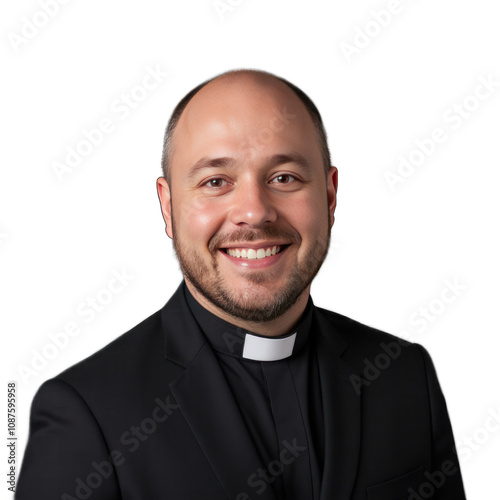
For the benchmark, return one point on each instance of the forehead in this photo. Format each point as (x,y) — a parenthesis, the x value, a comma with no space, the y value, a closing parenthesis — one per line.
(242,117)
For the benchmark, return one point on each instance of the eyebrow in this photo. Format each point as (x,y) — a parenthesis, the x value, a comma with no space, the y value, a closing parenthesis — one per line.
(209,163)
(270,162)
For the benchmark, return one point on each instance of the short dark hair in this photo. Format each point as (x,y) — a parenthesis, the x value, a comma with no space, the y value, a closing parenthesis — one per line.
(306,100)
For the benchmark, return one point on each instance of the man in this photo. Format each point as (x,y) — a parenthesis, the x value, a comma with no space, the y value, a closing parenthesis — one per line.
(239,387)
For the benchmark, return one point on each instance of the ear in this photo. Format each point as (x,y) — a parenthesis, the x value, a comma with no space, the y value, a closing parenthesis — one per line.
(331,189)
(165,203)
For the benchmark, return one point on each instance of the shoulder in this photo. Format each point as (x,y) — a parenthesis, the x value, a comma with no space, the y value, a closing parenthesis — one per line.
(122,362)
(381,364)
(354,332)
(114,386)
(364,344)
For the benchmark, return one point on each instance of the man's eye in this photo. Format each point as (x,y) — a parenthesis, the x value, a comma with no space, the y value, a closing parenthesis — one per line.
(215,183)
(284,179)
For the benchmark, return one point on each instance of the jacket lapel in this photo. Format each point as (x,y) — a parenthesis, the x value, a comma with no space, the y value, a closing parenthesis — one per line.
(207,403)
(342,413)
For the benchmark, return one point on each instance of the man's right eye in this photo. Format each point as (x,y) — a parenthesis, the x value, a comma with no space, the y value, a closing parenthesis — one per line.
(216,182)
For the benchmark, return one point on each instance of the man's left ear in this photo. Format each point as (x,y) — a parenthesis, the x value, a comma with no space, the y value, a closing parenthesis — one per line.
(331,188)
(165,202)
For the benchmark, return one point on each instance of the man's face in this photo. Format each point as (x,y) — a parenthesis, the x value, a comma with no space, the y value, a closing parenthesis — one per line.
(248,207)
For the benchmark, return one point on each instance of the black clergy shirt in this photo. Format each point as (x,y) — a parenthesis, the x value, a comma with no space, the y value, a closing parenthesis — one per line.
(280,402)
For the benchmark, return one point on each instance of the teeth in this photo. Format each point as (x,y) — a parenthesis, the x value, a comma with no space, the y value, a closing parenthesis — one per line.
(251,253)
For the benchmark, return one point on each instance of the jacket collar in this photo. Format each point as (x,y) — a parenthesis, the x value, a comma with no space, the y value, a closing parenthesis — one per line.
(182,336)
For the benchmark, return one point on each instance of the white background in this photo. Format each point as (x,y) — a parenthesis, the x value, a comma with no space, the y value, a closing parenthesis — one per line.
(392,251)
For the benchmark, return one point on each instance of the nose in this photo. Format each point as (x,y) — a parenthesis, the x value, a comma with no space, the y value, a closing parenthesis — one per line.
(252,205)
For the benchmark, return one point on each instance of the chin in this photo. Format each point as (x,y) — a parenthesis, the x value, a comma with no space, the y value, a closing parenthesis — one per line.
(250,298)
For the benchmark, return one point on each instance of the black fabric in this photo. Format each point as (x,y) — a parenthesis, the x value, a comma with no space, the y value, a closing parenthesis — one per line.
(151,416)
(276,400)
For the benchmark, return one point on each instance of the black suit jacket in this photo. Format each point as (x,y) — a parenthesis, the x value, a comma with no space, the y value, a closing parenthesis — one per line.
(150,416)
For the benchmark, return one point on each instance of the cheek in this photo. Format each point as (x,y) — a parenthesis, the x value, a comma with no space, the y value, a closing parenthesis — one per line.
(309,216)
(199,219)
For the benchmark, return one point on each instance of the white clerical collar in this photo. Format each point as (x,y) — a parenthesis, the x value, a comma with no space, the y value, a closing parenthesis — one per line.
(227,338)
(268,348)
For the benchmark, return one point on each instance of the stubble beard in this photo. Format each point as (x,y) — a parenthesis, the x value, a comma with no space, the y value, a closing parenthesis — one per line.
(209,281)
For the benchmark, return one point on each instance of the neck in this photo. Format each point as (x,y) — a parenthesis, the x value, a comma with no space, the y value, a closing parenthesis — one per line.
(279,326)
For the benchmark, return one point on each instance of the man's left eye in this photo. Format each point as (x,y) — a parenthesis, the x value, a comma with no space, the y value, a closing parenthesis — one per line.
(284,179)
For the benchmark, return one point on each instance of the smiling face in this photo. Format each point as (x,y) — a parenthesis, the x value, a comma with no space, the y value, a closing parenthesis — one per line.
(249,206)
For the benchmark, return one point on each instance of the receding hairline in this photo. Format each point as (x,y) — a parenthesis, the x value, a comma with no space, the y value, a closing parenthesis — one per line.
(260,77)
(242,80)
(226,78)
(232,77)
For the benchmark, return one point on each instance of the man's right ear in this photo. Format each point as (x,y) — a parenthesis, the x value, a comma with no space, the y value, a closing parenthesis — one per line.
(165,203)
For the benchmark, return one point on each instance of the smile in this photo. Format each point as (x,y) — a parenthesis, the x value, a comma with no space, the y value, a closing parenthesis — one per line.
(254,253)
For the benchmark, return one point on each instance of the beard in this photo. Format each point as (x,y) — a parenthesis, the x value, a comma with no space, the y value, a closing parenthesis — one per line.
(211,283)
